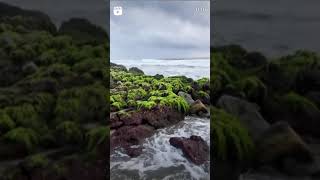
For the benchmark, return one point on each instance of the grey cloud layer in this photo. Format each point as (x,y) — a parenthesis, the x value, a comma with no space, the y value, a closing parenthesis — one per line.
(160,30)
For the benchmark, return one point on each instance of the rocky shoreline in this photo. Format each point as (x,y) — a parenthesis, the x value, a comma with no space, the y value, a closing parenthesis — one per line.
(153,102)
(53,84)
(265,115)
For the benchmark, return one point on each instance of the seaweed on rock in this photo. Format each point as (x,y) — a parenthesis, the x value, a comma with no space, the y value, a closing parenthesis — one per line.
(6,123)
(146,104)
(24,136)
(230,138)
(147,92)
(53,88)
(69,132)
(25,115)
(97,136)
(297,103)
(253,88)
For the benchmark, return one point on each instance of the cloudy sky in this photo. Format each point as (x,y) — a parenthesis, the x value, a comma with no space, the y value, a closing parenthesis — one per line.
(155,29)
(275,27)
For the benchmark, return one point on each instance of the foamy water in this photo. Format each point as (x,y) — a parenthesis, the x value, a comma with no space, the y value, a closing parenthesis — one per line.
(195,68)
(159,159)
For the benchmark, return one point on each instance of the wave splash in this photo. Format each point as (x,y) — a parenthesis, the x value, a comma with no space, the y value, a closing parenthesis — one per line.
(159,159)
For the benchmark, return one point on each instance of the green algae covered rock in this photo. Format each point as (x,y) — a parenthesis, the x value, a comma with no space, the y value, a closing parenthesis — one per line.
(146,92)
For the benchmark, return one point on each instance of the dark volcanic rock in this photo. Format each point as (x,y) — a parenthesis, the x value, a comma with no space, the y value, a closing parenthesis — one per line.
(135,70)
(127,136)
(158,76)
(285,143)
(83,31)
(308,80)
(295,168)
(314,96)
(194,148)
(303,118)
(118,67)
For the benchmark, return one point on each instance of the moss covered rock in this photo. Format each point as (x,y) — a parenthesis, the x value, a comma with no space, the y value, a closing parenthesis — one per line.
(135,70)
(248,113)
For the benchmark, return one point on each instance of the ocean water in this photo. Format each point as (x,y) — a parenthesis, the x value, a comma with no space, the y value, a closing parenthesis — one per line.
(159,159)
(195,68)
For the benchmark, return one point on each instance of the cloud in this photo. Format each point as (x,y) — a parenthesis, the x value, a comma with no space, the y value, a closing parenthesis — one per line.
(152,30)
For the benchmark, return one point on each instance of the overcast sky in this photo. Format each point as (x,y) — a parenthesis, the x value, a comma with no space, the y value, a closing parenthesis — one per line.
(154,29)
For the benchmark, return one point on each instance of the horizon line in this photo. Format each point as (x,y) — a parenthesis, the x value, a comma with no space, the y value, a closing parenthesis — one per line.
(186,58)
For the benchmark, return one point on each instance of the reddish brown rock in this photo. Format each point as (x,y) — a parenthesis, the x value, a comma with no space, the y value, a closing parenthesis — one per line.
(131,128)
(133,152)
(194,148)
(115,121)
(162,116)
(157,117)
(127,136)
(132,118)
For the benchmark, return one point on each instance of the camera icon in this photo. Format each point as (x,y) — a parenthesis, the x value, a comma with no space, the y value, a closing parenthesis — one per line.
(117,10)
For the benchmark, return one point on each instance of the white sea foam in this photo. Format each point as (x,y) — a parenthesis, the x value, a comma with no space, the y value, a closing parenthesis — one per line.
(193,68)
(159,159)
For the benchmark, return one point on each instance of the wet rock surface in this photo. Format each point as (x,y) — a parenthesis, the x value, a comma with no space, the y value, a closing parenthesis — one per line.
(131,128)
(157,117)
(127,136)
(162,117)
(194,148)
(133,151)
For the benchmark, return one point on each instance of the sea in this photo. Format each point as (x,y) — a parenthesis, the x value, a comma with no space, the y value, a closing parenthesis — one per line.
(192,68)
